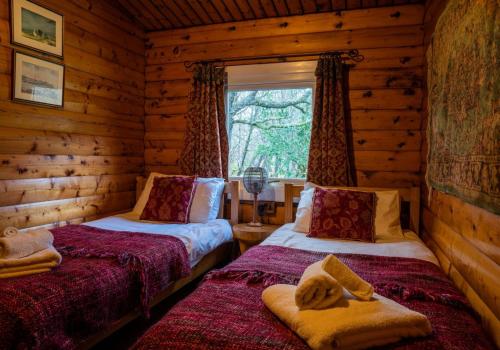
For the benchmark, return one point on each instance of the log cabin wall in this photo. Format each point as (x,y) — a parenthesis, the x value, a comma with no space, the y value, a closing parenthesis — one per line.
(465,238)
(386,88)
(79,162)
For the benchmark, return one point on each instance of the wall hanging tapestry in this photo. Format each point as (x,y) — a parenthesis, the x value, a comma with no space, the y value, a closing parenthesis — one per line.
(464,119)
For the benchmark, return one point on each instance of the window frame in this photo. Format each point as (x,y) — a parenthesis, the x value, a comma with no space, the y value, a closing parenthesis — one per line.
(270,86)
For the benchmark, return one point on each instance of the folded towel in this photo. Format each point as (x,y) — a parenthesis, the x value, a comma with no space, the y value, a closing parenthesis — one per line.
(44,256)
(9,232)
(25,244)
(41,261)
(317,289)
(351,324)
(347,278)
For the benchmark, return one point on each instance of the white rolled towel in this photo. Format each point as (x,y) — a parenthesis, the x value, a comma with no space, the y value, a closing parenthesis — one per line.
(317,289)
(22,245)
(347,278)
(9,232)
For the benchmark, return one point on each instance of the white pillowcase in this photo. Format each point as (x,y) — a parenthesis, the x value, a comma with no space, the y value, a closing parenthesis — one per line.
(387,221)
(206,199)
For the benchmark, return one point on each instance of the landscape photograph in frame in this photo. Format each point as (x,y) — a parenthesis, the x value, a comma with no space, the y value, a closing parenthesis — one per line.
(37,81)
(36,27)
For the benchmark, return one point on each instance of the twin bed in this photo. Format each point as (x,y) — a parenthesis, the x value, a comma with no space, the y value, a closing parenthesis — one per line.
(226,310)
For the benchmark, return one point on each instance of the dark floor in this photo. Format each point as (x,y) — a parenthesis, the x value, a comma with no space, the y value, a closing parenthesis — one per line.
(128,335)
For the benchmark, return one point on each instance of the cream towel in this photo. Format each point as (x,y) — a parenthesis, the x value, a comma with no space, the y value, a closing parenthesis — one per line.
(9,232)
(45,256)
(347,278)
(317,289)
(351,324)
(41,261)
(21,245)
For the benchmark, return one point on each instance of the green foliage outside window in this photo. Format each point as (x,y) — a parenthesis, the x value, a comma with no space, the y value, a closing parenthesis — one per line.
(271,129)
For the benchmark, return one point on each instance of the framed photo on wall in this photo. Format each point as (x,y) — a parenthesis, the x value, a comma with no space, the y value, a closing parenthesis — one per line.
(37,81)
(36,27)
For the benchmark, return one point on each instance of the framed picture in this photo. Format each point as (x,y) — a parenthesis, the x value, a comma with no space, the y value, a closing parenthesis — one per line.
(37,81)
(36,27)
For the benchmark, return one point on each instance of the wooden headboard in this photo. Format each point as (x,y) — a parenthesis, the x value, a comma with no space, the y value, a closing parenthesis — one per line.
(232,187)
(407,194)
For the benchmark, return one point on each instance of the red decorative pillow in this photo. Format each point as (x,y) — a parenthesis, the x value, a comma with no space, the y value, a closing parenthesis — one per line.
(170,199)
(343,214)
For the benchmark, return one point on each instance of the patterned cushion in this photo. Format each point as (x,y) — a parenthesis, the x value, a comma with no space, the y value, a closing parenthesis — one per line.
(170,199)
(343,214)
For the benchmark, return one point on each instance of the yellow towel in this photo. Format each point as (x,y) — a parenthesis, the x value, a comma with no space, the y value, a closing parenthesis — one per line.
(21,245)
(351,324)
(41,261)
(317,289)
(347,278)
(9,232)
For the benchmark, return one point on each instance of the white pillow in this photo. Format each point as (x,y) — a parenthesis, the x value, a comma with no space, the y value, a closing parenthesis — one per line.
(206,200)
(387,221)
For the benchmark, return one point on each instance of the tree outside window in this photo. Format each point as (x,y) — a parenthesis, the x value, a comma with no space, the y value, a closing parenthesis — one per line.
(270,129)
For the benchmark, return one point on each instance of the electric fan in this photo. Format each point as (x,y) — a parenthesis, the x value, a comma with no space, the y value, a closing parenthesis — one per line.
(254,180)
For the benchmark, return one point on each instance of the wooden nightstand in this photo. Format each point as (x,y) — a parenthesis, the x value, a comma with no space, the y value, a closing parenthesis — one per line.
(249,236)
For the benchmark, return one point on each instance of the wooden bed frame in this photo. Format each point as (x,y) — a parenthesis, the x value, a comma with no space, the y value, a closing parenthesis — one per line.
(208,262)
(407,194)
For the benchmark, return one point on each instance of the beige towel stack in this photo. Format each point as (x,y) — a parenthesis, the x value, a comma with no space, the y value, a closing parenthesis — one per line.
(317,289)
(327,316)
(26,253)
(351,324)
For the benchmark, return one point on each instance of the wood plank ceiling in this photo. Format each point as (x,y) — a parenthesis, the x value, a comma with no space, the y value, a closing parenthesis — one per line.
(156,15)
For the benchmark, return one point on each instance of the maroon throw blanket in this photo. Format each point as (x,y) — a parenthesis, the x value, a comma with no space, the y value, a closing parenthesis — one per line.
(226,311)
(104,275)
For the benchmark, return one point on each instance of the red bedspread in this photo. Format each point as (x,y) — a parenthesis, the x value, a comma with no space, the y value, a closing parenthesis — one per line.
(226,311)
(104,275)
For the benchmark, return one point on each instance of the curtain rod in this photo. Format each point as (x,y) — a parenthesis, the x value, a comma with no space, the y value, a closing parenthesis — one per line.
(346,55)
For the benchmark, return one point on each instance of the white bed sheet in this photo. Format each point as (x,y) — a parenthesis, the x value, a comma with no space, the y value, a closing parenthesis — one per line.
(200,239)
(409,247)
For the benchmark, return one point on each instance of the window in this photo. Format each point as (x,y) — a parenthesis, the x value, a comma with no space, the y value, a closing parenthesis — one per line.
(269,109)
(271,129)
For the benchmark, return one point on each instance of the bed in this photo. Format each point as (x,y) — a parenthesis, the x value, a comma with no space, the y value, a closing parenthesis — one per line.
(91,294)
(226,310)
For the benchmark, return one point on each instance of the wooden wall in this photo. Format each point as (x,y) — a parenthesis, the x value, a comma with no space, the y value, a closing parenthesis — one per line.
(75,163)
(465,238)
(386,92)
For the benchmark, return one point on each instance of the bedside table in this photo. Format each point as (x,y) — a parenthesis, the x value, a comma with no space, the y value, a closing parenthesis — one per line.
(249,236)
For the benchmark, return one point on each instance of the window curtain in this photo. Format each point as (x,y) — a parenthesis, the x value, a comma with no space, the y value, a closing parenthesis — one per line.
(206,148)
(330,161)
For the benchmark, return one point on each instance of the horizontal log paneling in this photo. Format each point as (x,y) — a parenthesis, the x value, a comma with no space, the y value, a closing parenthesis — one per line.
(385,88)
(73,164)
(335,21)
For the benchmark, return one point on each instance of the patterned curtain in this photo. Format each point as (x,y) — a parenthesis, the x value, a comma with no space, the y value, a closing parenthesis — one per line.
(206,147)
(329,158)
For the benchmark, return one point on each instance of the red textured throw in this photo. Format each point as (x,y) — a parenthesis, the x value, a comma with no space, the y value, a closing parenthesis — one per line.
(104,275)
(343,214)
(170,199)
(226,311)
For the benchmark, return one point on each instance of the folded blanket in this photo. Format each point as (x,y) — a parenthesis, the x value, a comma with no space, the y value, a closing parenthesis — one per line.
(21,245)
(347,278)
(44,256)
(9,232)
(317,289)
(352,324)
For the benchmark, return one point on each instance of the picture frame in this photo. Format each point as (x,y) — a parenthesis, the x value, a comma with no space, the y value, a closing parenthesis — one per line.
(37,81)
(36,27)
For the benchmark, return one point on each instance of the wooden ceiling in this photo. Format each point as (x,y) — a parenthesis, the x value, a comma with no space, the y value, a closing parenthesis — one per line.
(171,14)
